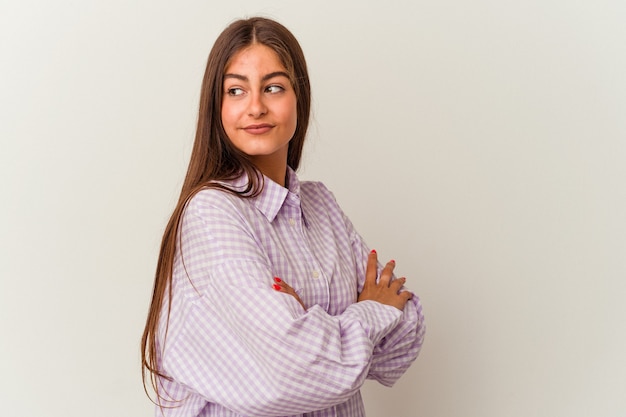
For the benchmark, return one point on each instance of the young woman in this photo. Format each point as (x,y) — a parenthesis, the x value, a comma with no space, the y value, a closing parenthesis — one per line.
(266,301)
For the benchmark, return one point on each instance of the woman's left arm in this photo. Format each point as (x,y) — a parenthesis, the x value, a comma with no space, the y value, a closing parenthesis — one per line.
(398,349)
(396,352)
(392,355)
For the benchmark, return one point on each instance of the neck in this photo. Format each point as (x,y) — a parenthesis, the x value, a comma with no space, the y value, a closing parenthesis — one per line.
(277,172)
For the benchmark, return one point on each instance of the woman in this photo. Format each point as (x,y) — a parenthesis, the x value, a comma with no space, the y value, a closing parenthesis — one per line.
(266,301)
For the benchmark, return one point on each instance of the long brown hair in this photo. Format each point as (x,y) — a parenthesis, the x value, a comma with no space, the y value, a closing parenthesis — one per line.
(215,158)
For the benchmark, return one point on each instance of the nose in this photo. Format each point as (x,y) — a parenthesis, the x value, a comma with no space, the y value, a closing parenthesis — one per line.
(256,106)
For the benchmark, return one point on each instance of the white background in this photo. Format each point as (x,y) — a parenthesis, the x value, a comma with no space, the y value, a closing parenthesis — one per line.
(480,144)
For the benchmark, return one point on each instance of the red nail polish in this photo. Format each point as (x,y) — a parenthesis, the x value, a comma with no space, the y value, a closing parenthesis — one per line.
(392,261)
(373,251)
(276,287)
(277,279)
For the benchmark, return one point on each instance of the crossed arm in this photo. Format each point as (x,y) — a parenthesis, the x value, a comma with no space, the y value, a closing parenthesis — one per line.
(384,290)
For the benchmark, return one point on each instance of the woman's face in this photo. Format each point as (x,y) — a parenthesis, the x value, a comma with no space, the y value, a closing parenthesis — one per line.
(259,106)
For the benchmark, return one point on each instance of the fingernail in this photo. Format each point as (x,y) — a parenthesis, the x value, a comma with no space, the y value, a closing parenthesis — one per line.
(276,287)
(373,251)
(393,261)
(277,279)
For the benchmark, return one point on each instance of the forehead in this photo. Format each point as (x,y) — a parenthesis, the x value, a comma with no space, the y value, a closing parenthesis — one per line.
(256,58)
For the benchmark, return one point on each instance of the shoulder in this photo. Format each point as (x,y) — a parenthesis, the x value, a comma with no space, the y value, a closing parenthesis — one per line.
(316,190)
(214,202)
(317,197)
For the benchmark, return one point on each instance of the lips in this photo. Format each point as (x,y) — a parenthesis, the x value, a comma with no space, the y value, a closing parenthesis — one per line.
(258,129)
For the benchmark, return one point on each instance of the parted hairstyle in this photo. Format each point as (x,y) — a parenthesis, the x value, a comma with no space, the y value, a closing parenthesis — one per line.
(214,158)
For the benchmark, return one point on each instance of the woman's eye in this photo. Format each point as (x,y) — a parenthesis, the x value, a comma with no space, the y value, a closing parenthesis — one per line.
(274,89)
(234,91)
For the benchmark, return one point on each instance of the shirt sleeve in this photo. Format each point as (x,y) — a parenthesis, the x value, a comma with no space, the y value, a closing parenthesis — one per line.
(397,350)
(233,340)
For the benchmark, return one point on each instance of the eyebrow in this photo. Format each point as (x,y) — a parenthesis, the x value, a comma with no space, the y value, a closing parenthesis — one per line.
(265,77)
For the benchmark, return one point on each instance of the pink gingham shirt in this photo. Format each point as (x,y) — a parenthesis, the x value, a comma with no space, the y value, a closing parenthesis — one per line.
(237,347)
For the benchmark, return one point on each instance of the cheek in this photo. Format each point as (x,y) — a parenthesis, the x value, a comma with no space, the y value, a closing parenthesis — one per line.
(228,117)
(293,114)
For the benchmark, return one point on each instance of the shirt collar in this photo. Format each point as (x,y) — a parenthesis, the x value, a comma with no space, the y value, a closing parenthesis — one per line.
(273,196)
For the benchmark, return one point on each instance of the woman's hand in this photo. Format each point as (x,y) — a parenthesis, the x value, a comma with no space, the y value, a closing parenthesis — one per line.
(281,286)
(384,291)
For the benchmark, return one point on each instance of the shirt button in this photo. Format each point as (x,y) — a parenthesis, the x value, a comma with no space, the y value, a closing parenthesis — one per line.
(292,222)
(315,274)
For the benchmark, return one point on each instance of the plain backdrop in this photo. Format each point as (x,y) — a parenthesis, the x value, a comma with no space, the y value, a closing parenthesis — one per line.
(480,144)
